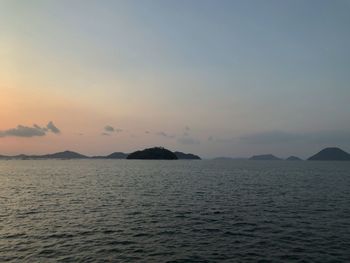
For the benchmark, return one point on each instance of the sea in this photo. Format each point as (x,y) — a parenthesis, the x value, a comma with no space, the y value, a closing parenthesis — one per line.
(174,211)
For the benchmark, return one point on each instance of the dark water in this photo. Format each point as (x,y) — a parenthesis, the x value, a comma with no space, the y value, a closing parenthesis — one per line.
(174,211)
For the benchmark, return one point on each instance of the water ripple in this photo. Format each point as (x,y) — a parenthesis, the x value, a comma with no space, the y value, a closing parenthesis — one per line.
(159,211)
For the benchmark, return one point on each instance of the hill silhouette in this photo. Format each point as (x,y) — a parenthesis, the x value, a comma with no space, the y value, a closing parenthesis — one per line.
(156,153)
(293,158)
(331,154)
(63,155)
(264,157)
(160,153)
(58,155)
(115,155)
(187,156)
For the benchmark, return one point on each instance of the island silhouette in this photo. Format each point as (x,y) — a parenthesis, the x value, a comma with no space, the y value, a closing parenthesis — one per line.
(115,155)
(331,154)
(264,157)
(155,153)
(161,153)
(158,153)
(186,156)
(293,158)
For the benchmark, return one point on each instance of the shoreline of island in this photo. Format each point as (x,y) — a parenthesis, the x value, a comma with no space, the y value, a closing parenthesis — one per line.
(161,153)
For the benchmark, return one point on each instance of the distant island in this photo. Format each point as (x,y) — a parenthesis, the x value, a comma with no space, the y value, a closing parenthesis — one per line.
(58,155)
(293,158)
(64,155)
(115,155)
(160,153)
(186,156)
(156,153)
(331,154)
(264,157)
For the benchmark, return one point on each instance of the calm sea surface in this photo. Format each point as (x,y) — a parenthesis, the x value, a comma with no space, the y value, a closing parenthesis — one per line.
(174,211)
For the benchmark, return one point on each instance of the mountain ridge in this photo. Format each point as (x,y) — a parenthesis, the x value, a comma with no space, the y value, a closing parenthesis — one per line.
(330,154)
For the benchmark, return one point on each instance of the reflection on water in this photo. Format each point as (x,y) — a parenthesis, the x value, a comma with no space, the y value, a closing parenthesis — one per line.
(181,211)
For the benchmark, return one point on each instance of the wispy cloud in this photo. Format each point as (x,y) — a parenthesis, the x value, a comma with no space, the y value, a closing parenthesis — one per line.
(187,137)
(109,128)
(164,134)
(23,131)
(40,128)
(51,127)
(27,131)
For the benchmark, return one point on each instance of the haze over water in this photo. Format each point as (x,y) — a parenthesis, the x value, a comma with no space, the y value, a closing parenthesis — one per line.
(174,211)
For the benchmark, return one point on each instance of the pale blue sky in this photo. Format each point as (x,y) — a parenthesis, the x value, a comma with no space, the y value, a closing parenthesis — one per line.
(238,72)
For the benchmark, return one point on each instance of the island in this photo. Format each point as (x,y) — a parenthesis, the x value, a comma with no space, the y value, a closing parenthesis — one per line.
(160,153)
(64,155)
(264,157)
(58,155)
(293,158)
(156,153)
(115,155)
(186,156)
(331,154)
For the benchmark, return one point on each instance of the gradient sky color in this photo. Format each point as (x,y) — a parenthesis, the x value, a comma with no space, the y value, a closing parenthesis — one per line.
(216,78)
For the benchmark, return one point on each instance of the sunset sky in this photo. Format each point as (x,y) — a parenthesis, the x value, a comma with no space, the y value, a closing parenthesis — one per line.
(215,78)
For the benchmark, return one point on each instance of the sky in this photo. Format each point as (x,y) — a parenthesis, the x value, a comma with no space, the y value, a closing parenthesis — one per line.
(215,78)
